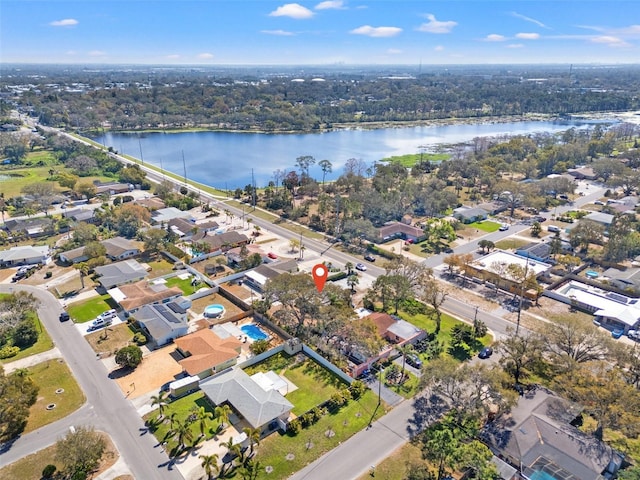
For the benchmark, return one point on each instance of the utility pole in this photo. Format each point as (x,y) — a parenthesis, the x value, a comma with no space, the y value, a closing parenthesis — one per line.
(524,280)
(140,145)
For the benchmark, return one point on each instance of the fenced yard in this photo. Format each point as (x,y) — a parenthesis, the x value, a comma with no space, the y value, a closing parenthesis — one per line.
(82,312)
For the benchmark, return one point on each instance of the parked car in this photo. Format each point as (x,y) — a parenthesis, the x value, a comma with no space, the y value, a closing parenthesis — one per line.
(362,267)
(414,361)
(64,316)
(99,323)
(486,352)
(553,228)
(369,258)
(617,333)
(272,255)
(634,335)
(504,227)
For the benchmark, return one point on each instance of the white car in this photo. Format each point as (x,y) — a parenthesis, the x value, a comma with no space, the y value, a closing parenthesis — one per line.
(634,334)
(361,267)
(504,227)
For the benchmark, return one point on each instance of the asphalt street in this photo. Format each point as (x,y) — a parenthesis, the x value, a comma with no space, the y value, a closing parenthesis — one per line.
(106,408)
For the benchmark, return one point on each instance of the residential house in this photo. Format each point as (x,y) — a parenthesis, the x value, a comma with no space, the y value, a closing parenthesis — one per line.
(494,268)
(135,295)
(235,257)
(182,228)
(75,255)
(78,215)
(537,251)
(208,226)
(25,255)
(205,353)
(120,248)
(163,323)
(400,230)
(470,214)
(396,331)
(262,406)
(223,241)
(113,188)
(163,215)
(603,219)
(493,208)
(121,273)
(582,173)
(627,279)
(257,277)
(152,204)
(31,227)
(536,436)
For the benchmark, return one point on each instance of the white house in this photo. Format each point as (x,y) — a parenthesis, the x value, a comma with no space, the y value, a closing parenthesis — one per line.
(26,255)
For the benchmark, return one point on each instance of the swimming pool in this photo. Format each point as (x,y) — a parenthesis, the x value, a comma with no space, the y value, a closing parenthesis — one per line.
(214,311)
(254,332)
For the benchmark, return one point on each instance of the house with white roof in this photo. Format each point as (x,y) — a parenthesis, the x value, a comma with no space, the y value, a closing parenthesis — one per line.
(25,255)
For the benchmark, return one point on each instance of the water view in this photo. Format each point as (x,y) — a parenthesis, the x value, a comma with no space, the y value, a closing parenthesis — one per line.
(225,160)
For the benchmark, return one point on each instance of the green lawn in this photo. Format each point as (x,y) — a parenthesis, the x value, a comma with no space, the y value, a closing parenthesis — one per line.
(426,323)
(19,178)
(159,267)
(43,344)
(182,408)
(89,309)
(511,243)
(314,441)
(396,466)
(315,383)
(411,159)
(51,376)
(486,226)
(408,389)
(184,285)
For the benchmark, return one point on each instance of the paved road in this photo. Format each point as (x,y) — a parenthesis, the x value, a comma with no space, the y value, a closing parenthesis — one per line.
(106,407)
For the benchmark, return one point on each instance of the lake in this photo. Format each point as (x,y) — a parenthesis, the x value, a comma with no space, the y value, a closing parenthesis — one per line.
(225,159)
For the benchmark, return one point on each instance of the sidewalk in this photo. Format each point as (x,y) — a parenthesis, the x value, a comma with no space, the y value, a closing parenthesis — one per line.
(32,360)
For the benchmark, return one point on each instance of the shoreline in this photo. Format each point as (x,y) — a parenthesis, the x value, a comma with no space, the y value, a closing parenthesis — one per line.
(629,116)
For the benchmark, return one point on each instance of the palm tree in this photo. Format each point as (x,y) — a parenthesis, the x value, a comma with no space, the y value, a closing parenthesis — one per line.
(352,281)
(222,413)
(202,416)
(182,434)
(161,401)
(173,420)
(234,449)
(349,267)
(84,271)
(256,229)
(210,465)
(405,350)
(253,434)
(250,469)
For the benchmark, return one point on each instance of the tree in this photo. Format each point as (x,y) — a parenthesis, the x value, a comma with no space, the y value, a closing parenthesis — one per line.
(352,281)
(326,167)
(203,417)
(586,233)
(42,193)
(253,434)
(25,334)
(486,245)
(17,394)
(222,413)
(520,354)
(391,290)
(84,271)
(536,228)
(210,465)
(86,189)
(299,298)
(94,249)
(80,451)
(555,246)
(154,240)
(259,346)
(404,351)
(182,434)
(161,401)
(67,180)
(434,295)
(129,357)
(630,473)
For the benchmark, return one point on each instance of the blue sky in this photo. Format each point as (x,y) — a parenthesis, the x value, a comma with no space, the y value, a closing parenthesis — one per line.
(261,32)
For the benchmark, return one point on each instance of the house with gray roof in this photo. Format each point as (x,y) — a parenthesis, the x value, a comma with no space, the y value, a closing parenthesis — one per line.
(119,248)
(164,215)
(32,227)
(266,409)
(603,219)
(75,255)
(25,255)
(470,214)
(121,273)
(536,251)
(627,279)
(163,323)
(81,215)
(537,436)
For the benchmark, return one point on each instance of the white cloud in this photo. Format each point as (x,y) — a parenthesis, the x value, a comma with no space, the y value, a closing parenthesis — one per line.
(173,56)
(610,41)
(438,48)
(494,37)
(330,5)
(97,53)
(436,26)
(370,31)
(282,33)
(528,19)
(205,56)
(67,22)
(515,45)
(292,10)
(71,52)
(528,36)
(394,51)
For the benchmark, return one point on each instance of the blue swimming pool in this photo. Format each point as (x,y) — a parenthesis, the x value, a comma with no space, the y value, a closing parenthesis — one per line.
(254,332)
(540,475)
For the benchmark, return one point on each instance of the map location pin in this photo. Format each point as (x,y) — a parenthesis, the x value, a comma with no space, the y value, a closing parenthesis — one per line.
(320,274)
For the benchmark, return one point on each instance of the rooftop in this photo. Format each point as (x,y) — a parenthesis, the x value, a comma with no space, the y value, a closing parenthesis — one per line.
(496,260)
(206,350)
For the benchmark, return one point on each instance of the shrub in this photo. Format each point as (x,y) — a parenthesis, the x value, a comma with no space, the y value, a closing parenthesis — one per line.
(9,351)
(48,471)
(130,356)
(294,426)
(307,419)
(337,276)
(357,389)
(140,339)
(259,346)
(25,334)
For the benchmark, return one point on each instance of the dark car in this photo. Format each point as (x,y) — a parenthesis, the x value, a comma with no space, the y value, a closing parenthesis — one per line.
(414,361)
(64,316)
(486,352)
(369,258)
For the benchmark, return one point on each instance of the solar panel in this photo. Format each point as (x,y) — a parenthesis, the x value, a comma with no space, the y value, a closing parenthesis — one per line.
(617,297)
(166,314)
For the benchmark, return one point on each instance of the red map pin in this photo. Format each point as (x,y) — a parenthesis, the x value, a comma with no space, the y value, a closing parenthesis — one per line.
(320,274)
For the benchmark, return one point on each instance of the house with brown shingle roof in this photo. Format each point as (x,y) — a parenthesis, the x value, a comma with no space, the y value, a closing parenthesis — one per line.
(205,353)
(135,295)
(400,230)
(222,241)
